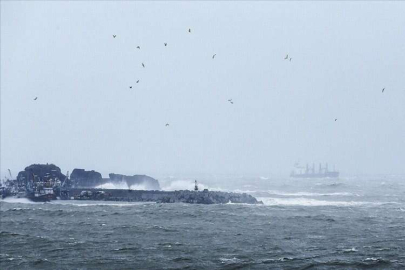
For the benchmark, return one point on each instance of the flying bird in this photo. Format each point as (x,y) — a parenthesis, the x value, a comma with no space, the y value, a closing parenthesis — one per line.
(286,57)
(167,124)
(114,36)
(335,119)
(138,47)
(165,44)
(137,81)
(213,56)
(189,30)
(290,58)
(383,90)
(230,101)
(143,64)
(130,87)
(35,98)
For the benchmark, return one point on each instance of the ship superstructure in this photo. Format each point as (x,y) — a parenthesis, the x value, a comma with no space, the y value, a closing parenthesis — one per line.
(36,182)
(42,188)
(307,172)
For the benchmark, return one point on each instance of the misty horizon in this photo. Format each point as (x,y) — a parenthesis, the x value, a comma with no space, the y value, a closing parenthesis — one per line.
(206,114)
(87,116)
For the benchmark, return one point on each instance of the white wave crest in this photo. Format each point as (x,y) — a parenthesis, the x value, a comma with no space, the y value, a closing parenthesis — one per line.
(313,194)
(122,185)
(308,202)
(100,203)
(182,185)
(230,260)
(17,200)
(118,185)
(350,250)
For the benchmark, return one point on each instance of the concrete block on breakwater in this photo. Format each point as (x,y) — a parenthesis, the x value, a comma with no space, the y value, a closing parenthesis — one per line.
(179,196)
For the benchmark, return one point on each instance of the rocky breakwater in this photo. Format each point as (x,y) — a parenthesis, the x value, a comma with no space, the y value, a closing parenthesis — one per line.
(81,178)
(180,196)
(207,197)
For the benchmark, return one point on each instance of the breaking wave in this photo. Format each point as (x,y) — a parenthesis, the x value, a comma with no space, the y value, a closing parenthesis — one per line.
(310,202)
(308,194)
(17,200)
(100,203)
(122,185)
(182,185)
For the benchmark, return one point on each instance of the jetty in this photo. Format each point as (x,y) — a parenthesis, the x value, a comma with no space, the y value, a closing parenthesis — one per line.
(159,196)
(46,182)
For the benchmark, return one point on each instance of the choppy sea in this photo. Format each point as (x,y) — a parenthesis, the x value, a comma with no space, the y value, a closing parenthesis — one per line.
(348,223)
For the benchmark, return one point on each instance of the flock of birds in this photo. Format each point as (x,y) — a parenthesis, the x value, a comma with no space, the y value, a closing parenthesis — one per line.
(287,57)
(165,43)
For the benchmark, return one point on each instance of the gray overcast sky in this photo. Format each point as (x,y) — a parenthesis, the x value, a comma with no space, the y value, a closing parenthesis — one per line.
(343,54)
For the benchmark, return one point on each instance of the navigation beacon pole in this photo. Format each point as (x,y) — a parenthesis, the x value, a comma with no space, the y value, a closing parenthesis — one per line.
(195,185)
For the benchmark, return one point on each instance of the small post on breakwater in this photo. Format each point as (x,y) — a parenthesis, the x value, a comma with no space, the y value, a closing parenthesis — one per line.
(195,185)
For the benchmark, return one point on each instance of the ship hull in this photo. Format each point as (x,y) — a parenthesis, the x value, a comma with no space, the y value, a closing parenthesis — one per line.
(323,175)
(41,198)
(42,195)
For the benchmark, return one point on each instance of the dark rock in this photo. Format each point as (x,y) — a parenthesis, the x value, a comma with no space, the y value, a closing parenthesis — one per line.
(142,180)
(83,178)
(41,172)
(180,196)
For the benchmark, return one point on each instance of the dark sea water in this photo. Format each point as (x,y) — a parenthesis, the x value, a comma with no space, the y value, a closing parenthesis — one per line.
(350,223)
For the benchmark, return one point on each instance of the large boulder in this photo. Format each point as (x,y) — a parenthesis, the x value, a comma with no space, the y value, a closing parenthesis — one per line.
(91,179)
(41,172)
(136,181)
(83,178)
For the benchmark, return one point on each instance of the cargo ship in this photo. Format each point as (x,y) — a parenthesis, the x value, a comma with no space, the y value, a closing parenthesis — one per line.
(307,172)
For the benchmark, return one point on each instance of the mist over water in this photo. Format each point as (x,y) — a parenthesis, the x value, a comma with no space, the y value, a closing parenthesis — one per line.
(343,55)
(354,222)
(75,92)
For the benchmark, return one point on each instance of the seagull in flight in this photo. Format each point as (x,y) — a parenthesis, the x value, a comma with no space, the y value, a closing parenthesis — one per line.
(167,124)
(189,30)
(130,87)
(35,98)
(290,59)
(165,44)
(114,36)
(383,90)
(286,57)
(213,56)
(335,119)
(138,47)
(137,81)
(230,100)
(143,64)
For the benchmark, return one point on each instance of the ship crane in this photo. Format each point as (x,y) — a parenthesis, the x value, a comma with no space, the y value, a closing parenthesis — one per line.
(67,177)
(323,172)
